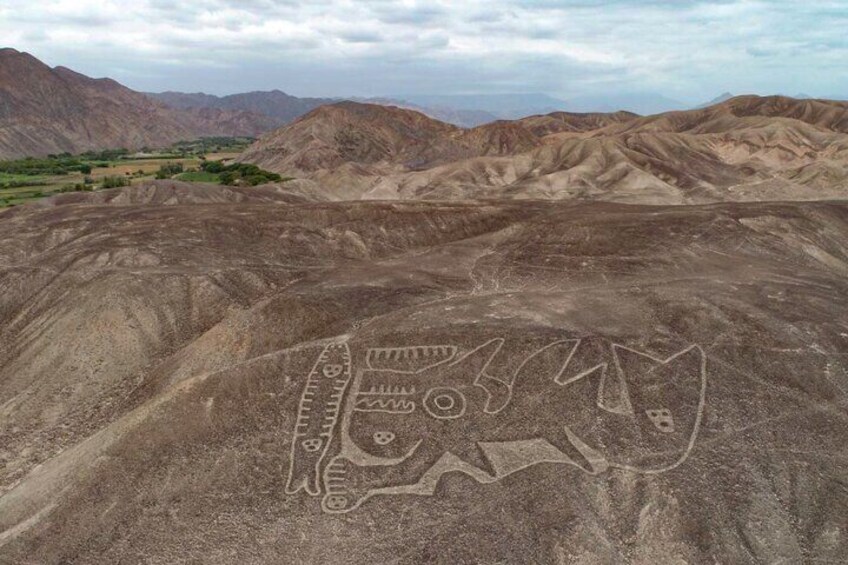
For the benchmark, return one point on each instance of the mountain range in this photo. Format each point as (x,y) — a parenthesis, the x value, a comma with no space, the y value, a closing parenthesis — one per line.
(460,110)
(513,106)
(53,110)
(744,148)
(280,107)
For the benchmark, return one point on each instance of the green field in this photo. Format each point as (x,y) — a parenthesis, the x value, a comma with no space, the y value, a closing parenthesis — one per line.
(26,179)
(199,176)
(6,178)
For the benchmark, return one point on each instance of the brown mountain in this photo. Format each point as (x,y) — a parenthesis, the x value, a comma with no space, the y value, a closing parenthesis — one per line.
(485,382)
(364,134)
(352,146)
(828,115)
(369,134)
(558,122)
(45,110)
(746,148)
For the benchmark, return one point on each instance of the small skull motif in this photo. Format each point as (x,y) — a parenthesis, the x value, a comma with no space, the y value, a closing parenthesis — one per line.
(335,502)
(332,370)
(312,444)
(383,438)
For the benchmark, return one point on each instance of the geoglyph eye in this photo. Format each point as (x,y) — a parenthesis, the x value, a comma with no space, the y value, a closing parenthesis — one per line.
(444,403)
(383,438)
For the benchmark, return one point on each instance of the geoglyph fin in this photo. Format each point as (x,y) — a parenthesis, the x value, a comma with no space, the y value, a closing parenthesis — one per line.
(317,416)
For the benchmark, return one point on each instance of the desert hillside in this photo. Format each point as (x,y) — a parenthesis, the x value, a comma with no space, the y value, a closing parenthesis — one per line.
(746,148)
(509,381)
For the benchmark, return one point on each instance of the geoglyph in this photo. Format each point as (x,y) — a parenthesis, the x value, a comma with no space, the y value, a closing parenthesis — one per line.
(396,424)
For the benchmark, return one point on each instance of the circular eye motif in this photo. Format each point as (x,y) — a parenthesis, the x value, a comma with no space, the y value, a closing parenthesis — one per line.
(444,403)
(383,438)
(332,370)
(312,444)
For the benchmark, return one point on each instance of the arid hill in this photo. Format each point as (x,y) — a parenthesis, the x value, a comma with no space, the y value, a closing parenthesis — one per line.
(746,148)
(192,373)
(353,143)
(558,122)
(828,115)
(45,110)
(362,134)
(173,192)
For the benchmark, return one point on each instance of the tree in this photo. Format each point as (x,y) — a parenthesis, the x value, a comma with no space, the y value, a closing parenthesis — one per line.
(168,170)
(213,167)
(115,181)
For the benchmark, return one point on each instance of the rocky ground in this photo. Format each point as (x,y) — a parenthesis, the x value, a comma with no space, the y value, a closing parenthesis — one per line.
(227,375)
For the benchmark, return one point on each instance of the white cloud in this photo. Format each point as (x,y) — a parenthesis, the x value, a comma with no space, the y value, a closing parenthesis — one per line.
(686,48)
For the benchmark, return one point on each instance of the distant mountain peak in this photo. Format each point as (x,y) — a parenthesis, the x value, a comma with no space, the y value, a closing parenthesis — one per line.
(723,97)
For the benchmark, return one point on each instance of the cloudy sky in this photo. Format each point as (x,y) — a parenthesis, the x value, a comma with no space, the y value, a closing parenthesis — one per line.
(687,49)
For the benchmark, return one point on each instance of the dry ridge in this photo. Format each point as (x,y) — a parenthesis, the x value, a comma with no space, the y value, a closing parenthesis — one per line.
(747,148)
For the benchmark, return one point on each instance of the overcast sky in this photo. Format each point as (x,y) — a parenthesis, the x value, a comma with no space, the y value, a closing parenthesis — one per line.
(687,49)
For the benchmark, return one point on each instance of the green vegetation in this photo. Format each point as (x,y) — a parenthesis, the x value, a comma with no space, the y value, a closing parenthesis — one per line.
(52,165)
(85,163)
(206,145)
(107,155)
(202,160)
(78,187)
(18,181)
(169,169)
(199,176)
(115,181)
(239,174)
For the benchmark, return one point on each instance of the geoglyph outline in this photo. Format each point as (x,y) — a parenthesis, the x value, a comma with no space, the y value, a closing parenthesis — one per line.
(544,451)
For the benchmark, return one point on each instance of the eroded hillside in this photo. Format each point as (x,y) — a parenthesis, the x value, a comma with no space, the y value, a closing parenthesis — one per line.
(746,148)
